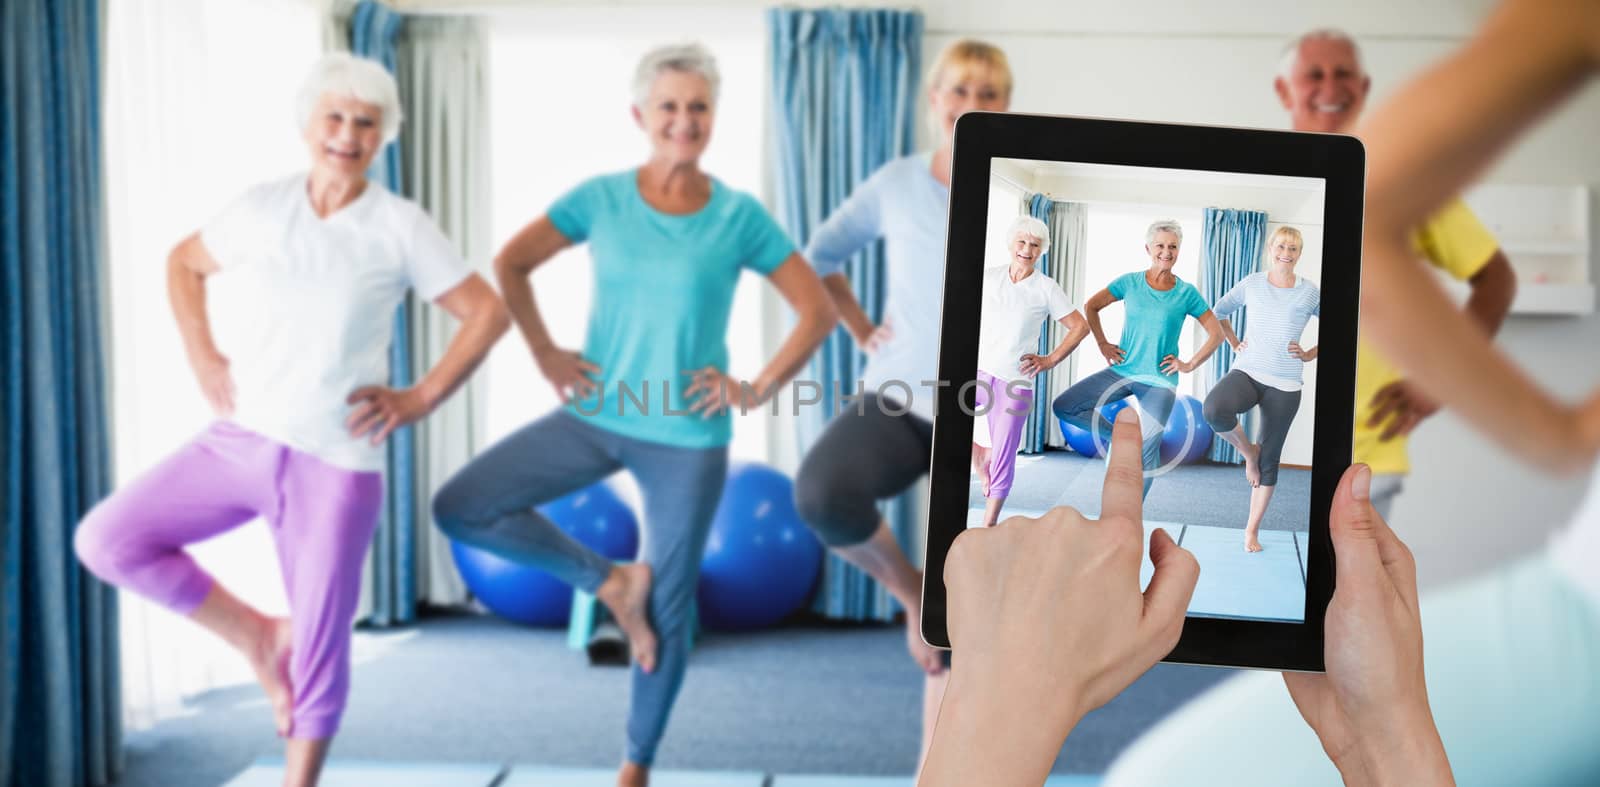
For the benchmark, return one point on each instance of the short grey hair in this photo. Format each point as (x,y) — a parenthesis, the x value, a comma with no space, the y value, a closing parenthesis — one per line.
(1027,225)
(691,58)
(1291,51)
(342,73)
(1163,225)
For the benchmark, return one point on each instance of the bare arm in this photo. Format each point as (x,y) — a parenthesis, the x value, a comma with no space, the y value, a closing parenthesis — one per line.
(1424,145)
(1091,315)
(1077,329)
(1172,364)
(531,247)
(1493,289)
(805,293)
(850,312)
(1227,333)
(483,320)
(379,409)
(187,268)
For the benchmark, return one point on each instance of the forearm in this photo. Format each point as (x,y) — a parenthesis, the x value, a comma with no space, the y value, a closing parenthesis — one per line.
(1228,334)
(994,734)
(1070,342)
(1213,340)
(813,326)
(1411,754)
(466,351)
(1091,315)
(186,292)
(517,291)
(1493,290)
(850,312)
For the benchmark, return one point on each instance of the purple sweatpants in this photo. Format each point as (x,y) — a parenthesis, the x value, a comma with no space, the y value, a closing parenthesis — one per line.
(321,517)
(1006,416)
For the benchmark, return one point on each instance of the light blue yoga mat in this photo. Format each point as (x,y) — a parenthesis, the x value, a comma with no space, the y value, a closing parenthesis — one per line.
(268,772)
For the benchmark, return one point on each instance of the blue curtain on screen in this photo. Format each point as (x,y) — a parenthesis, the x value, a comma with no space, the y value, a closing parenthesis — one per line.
(374,29)
(1230,249)
(844,89)
(1035,433)
(60,694)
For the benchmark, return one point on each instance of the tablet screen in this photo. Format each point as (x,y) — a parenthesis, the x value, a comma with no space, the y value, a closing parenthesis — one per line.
(1173,267)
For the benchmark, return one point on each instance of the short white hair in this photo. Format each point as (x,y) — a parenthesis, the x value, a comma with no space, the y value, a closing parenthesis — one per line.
(1163,225)
(342,73)
(1291,51)
(1027,225)
(690,58)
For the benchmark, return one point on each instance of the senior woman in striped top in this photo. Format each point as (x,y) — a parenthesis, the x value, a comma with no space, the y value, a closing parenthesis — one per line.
(1268,373)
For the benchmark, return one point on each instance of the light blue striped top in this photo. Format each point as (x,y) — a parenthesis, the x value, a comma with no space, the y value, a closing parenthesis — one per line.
(1275,316)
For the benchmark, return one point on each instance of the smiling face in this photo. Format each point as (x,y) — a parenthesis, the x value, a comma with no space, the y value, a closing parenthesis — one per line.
(964,88)
(677,116)
(1163,251)
(1285,249)
(1325,88)
(343,135)
(1026,249)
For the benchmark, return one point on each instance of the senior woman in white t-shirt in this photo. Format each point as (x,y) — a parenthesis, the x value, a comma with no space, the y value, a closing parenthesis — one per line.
(1017,302)
(312,267)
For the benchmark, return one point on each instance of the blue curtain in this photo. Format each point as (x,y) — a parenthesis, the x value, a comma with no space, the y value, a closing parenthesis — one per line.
(844,89)
(374,29)
(1231,244)
(1035,432)
(60,695)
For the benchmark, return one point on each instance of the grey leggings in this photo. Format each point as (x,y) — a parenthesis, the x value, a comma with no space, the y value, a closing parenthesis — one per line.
(865,455)
(489,505)
(1236,393)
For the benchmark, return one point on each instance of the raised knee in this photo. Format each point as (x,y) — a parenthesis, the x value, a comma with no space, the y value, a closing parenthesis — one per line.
(1218,417)
(824,507)
(98,546)
(452,509)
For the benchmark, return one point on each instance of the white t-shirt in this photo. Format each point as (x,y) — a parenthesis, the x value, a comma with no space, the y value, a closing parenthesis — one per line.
(1576,550)
(1014,313)
(304,306)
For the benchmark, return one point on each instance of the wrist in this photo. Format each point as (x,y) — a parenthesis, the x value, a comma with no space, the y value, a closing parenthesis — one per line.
(1407,751)
(1011,729)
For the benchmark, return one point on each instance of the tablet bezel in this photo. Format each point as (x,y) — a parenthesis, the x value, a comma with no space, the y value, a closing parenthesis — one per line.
(1337,159)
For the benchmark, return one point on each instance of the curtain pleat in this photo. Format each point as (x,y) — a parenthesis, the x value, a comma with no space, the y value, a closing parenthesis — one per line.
(60,693)
(844,89)
(1231,247)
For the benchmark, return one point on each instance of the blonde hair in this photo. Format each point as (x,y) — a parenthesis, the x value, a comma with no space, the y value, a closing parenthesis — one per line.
(968,53)
(1285,229)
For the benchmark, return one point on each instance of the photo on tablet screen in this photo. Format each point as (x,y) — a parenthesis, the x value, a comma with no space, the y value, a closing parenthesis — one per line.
(1204,288)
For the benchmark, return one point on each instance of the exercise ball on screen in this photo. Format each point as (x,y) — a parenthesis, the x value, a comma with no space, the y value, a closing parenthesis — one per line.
(1081,441)
(595,516)
(761,561)
(1187,423)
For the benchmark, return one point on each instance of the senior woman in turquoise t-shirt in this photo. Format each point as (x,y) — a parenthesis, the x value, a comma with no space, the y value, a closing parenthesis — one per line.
(651,392)
(1144,362)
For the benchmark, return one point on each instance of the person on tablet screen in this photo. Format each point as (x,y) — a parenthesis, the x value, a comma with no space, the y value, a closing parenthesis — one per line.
(1018,303)
(1144,363)
(1268,372)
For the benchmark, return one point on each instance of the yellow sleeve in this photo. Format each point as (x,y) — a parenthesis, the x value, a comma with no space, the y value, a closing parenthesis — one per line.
(1455,241)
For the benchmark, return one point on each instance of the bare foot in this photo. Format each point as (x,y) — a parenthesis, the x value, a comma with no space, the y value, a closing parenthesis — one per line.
(632,774)
(1250,542)
(270,660)
(1252,468)
(627,594)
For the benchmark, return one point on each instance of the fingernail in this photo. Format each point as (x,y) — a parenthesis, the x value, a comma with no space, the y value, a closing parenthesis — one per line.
(1361,485)
(1126,416)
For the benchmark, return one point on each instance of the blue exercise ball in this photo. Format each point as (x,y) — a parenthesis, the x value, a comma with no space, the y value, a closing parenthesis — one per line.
(761,561)
(1186,424)
(595,516)
(1081,440)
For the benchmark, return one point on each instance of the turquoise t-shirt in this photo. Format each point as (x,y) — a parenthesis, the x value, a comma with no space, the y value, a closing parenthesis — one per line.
(663,288)
(1152,323)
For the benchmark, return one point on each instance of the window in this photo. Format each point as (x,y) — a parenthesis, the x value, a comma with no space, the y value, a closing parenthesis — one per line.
(561,88)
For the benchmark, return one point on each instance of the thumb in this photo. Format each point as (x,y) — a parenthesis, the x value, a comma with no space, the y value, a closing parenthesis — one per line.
(1353,528)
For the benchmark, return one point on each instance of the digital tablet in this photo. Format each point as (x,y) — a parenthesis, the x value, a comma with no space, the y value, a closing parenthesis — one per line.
(1160,236)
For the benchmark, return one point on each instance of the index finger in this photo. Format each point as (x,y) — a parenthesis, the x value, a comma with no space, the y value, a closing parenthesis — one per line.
(364,392)
(1123,495)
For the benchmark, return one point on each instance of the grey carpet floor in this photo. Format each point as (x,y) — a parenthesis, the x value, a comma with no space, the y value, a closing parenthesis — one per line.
(1199,494)
(801,698)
